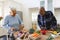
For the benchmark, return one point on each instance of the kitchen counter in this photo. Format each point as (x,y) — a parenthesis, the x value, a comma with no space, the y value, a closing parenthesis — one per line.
(44,37)
(3,32)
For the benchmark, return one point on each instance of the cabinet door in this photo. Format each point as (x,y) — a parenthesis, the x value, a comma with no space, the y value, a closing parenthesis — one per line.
(20,14)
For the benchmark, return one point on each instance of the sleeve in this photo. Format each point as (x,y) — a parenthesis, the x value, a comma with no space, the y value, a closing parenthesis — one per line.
(52,19)
(54,22)
(39,22)
(5,25)
(49,16)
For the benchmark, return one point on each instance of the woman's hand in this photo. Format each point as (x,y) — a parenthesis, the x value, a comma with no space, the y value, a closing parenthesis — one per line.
(16,34)
(12,28)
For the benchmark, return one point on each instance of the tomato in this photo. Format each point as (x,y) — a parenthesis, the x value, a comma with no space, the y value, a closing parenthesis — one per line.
(43,32)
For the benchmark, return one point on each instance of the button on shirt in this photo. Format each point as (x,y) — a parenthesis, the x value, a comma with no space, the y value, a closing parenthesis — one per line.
(43,21)
(11,21)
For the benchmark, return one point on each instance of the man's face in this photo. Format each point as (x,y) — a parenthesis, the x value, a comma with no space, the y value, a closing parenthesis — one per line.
(13,12)
(42,11)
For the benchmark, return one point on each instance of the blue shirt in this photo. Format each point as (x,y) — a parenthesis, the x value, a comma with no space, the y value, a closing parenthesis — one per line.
(11,21)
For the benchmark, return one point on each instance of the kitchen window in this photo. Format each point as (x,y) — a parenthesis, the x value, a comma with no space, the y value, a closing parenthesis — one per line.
(34,16)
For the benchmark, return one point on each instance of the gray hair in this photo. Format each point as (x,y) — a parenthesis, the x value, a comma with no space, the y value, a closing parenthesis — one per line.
(13,8)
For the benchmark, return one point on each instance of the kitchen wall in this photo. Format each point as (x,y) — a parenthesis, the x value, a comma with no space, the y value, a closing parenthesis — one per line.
(57,14)
(29,3)
(56,3)
(26,18)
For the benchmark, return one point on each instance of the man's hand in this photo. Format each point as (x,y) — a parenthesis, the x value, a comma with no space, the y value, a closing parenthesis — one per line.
(42,28)
(52,29)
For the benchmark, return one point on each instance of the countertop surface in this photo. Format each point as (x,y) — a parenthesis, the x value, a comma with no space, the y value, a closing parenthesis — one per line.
(3,31)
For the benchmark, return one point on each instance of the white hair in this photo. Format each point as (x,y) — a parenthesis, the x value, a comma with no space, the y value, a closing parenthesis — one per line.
(13,8)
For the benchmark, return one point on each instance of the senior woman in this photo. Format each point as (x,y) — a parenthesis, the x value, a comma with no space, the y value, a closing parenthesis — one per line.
(12,22)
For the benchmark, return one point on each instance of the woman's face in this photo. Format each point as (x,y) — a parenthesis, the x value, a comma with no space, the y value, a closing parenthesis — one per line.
(13,12)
